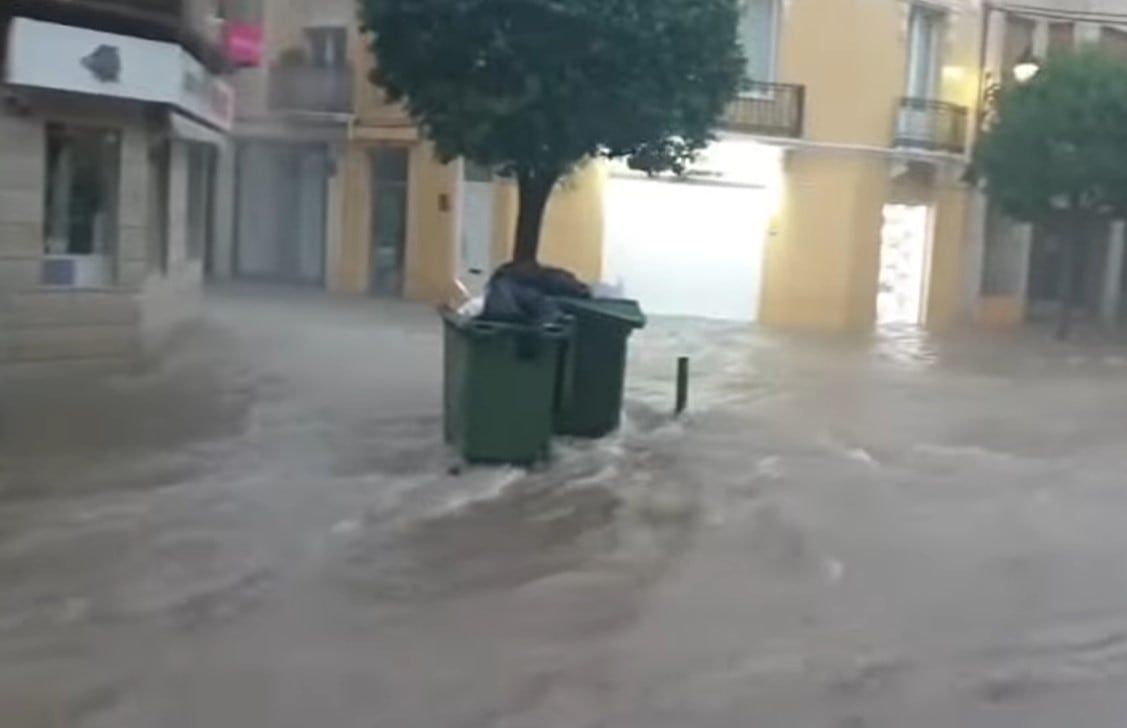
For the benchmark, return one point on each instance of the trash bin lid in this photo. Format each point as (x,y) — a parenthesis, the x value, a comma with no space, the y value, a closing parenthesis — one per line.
(478,327)
(622,310)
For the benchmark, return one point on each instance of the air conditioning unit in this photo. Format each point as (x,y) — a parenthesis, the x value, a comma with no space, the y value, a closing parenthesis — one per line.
(76,271)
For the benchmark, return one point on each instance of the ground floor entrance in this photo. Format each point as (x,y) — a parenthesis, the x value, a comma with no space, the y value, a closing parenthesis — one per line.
(905,237)
(1021,278)
(686,248)
(695,245)
(1046,261)
(281,215)
(390,183)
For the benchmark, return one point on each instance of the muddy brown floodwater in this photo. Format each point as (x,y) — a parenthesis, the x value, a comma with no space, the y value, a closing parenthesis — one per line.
(261,531)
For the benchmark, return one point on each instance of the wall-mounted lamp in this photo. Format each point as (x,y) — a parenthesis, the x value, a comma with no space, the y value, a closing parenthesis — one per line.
(1027,66)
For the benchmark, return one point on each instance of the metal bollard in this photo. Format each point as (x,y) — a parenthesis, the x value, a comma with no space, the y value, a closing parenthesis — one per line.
(682,385)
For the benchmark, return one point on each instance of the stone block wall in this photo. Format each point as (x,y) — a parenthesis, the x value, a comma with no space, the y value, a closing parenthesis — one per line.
(22,172)
(41,327)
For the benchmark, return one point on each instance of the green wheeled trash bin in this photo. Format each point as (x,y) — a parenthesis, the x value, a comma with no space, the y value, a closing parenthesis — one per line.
(499,388)
(593,372)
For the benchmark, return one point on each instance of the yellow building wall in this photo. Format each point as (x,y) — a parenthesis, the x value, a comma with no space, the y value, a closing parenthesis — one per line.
(852,56)
(821,265)
(431,227)
(573,226)
(821,268)
(945,281)
(351,272)
(431,206)
(572,236)
(849,55)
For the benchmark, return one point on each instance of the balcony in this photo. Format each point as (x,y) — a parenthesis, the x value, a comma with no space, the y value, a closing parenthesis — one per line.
(930,125)
(311,89)
(769,109)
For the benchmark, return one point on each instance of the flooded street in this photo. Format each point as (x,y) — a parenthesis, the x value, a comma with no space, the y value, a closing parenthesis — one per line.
(263,531)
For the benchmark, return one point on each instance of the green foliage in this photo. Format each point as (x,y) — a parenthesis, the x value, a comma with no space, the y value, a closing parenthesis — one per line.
(533,87)
(1059,141)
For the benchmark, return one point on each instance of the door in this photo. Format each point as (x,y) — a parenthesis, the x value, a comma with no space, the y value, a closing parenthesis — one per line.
(477,227)
(687,249)
(1046,259)
(311,177)
(389,171)
(905,237)
(280,226)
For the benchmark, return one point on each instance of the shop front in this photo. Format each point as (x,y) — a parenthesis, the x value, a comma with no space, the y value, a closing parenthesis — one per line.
(108,149)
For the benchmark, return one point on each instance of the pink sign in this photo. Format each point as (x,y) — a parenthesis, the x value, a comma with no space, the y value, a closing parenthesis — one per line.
(243,43)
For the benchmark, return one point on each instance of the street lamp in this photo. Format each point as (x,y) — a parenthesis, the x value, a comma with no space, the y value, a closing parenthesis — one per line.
(1027,66)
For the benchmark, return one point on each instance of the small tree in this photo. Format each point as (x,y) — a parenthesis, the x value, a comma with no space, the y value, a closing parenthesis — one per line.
(532,88)
(1055,153)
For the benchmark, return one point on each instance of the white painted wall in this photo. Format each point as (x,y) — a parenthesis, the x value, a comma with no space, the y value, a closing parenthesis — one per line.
(695,248)
(687,249)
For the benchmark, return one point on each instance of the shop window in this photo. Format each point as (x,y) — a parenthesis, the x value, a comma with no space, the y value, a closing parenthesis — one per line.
(328,46)
(201,179)
(159,164)
(83,172)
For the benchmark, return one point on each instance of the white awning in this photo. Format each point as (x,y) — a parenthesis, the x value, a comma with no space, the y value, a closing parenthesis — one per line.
(188,129)
(80,60)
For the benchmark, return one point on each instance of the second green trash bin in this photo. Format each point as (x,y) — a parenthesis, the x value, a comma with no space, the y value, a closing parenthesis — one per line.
(593,372)
(499,388)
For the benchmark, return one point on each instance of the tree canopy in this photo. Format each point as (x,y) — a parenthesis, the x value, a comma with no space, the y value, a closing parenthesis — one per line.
(1059,141)
(532,88)
(1055,153)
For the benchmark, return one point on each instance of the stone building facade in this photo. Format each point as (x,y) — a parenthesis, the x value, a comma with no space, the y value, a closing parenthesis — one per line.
(110,135)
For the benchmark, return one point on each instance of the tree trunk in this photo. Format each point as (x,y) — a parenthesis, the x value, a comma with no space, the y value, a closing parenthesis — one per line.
(1072,253)
(533,193)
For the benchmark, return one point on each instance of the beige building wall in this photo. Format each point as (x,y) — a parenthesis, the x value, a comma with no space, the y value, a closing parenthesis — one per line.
(573,226)
(821,267)
(41,325)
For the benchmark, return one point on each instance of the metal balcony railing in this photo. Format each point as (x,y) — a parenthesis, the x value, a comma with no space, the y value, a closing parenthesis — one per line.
(770,109)
(934,126)
(308,88)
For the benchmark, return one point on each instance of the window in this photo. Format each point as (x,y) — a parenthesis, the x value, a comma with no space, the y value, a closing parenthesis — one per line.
(925,44)
(159,163)
(1018,41)
(83,168)
(201,165)
(1114,41)
(1061,37)
(757,32)
(328,47)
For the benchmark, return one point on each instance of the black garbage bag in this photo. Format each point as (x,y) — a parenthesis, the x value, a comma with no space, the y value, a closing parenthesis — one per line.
(514,302)
(546,279)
